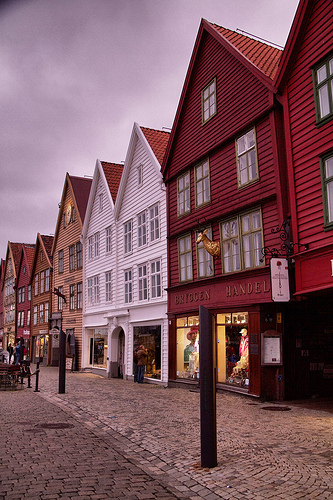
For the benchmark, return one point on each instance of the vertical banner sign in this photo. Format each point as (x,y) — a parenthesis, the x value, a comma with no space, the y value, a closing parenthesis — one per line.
(280,280)
(207,389)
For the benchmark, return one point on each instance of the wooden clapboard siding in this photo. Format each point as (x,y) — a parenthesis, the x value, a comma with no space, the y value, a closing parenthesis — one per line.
(308,141)
(105,262)
(240,97)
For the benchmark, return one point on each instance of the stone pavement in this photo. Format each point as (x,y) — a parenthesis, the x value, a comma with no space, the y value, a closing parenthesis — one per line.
(110,438)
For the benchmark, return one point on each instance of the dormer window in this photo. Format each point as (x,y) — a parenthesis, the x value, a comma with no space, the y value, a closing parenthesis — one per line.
(208,100)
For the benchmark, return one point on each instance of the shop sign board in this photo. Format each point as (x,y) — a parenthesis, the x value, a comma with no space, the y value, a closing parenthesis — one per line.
(279,280)
(271,351)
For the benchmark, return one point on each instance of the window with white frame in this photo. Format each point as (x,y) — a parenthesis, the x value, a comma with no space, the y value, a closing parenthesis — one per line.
(35,315)
(42,281)
(242,242)
(128,237)
(36,284)
(93,246)
(41,313)
(326,165)
(128,285)
(155,279)
(71,258)
(93,290)
(60,299)
(323,85)
(205,265)
(28,317)
(29,292)
(208,100)
(247,165)
(108,287)
(185,258)
(71,297)
(108,239)
(46,312)
(202,184)
(142,229)
(154,223)
(47,280)
(142,282)
(79,298)
(183,194)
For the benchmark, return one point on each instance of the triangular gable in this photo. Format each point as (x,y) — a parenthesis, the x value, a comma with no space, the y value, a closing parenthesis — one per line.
(27,256)
(110,175)
(80,189)
(14,253)
(294,41)
(154,142)
(45,243)
(259,58)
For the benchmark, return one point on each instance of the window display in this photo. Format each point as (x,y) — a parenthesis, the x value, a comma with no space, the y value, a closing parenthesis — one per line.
(150,338)
(188,347)
(233,349)
(99,347)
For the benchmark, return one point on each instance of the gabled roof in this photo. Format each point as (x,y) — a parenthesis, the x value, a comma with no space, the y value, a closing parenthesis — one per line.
(14,251)
(259,58)
(45,242)
(294,41)
(80,190)
(28,252)
(110,173)
(158,140)
(154,142)
(264,56)
(113,173)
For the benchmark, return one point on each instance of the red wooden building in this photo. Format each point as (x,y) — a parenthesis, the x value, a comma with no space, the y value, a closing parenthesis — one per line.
(23,295)
(225,173)
(305,82)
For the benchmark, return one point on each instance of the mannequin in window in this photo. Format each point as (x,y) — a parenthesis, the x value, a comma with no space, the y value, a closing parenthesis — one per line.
(192,346)
(243,362)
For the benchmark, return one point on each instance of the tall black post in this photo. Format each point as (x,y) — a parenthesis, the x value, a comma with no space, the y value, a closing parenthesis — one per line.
(207,389)
(62,362)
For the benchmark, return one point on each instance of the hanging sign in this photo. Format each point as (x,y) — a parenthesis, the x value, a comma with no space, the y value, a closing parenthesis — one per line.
(280,280)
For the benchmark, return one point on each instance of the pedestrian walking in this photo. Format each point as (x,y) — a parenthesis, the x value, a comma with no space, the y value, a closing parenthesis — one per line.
(17,353)
(10,351)
(135,364)
(142,361)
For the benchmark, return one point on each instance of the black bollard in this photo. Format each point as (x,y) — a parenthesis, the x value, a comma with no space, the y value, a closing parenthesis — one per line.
(62,362)
(29,385)
(37,377)
(207,389)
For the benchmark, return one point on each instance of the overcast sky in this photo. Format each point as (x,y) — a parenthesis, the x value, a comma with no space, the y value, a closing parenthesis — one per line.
(76,74)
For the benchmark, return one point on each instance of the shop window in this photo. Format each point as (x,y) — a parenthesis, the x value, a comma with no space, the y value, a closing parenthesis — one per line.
(150,338)
(247,168)
(202,184)
(188,347)
(205,265)
(323,87)
(242,242)
(98,348)
(183,194)
(232,349)
(185,258)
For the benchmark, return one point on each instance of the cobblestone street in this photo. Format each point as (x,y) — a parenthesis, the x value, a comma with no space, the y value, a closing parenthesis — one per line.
(111,438)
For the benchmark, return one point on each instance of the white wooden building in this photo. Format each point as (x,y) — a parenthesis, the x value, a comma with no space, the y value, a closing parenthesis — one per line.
(125,296)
